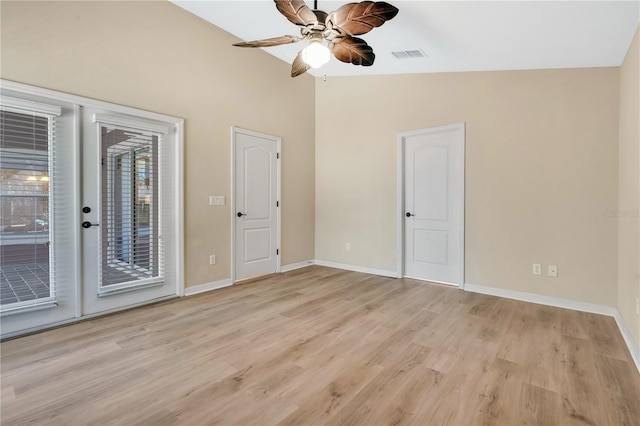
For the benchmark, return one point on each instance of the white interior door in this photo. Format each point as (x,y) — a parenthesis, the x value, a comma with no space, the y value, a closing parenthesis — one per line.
(256,203)
(126,232)
(434,204)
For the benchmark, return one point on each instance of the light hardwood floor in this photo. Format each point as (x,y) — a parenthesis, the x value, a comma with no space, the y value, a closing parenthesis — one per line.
(325,346)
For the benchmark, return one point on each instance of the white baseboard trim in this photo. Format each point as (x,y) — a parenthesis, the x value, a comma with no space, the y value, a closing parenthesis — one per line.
(542,300)
(363,269)
(297,265)
(628,338)
(567,304)
(190,291)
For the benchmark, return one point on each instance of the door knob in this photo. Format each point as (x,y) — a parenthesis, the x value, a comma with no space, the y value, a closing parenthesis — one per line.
(87,224)
(240,214)
(86,210)
(409,214)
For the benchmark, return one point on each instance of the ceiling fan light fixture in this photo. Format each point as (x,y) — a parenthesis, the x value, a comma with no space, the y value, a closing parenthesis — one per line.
(329,34)
(316,54)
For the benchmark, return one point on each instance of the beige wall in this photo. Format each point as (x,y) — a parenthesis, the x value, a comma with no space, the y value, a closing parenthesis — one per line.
(541,145)
(541,170)
(629,189)
(155,56)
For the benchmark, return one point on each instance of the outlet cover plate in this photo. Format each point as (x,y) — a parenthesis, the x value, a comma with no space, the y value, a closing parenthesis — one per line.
(537,269)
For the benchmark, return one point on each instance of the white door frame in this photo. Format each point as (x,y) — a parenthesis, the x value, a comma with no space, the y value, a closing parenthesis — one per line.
(400,252)
(278,141)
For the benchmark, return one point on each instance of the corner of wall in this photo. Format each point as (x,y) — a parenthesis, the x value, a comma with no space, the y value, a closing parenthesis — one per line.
(628,209)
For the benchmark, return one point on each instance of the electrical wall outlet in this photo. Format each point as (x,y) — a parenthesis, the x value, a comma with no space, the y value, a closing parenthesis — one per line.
(552,271)
(537,269)
(348,246)
(212,259)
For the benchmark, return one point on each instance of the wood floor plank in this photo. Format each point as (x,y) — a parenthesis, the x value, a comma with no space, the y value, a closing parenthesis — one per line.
(618,392)
(580,396)
(324,395)
(363,407)
(500,399)
(322,346)
(538,406)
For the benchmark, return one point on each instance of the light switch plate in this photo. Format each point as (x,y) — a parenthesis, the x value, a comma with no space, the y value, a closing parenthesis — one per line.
(216,200)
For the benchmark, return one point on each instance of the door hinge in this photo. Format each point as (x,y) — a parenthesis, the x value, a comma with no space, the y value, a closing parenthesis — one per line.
(277,203)
(278,155)
(277,252)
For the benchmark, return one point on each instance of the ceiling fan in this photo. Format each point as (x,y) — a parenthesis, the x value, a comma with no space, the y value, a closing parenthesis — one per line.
(329,33)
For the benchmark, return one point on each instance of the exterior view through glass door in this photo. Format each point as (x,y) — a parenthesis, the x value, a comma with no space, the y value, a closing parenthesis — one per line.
(129,205)
(24,225)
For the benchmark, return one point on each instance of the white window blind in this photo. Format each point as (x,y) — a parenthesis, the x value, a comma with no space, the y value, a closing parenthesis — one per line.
(28,176)
(131,239)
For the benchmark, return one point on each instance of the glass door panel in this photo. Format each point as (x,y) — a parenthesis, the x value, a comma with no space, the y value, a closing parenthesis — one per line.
(24,205)
(38,236)
(130,244)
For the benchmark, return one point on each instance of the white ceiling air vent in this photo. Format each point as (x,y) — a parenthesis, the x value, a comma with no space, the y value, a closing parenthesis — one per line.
(409,54)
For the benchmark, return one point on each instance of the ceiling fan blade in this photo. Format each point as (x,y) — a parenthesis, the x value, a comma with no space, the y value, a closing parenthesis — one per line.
(355,51)
(296,12)
(299,66)
(268,42)
(360,18)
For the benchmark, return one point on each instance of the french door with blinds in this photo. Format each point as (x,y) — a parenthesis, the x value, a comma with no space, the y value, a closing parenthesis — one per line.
(123,235)
(35,168)
(90,208)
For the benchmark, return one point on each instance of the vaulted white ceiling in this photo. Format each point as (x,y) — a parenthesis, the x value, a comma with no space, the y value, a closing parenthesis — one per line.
(456,35)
